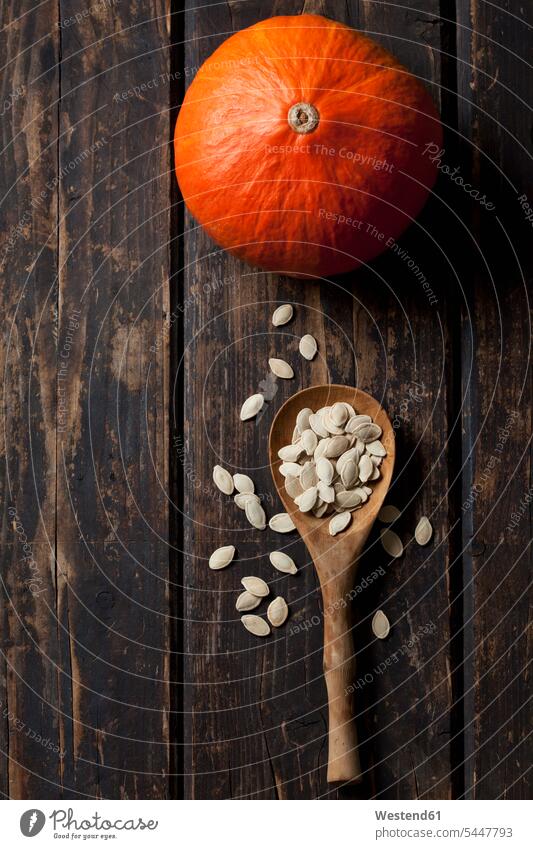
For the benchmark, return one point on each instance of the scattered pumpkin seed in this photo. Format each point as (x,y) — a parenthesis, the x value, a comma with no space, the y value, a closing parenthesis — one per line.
(243,483)
(281,523)
(222,557)
(308,346)
(307,501)
(290,453)
(380,625)
(247,601)
(256,586)
(280,368)
(242,498)
(277,612)
(282,562)
(223,480)
(423,531)
(392,543)
(340,522)
(282,315)
(251,406)
(256,625)
(255,514)
(388,514)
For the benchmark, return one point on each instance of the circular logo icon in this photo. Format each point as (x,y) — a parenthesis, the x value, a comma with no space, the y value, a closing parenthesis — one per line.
(32,822)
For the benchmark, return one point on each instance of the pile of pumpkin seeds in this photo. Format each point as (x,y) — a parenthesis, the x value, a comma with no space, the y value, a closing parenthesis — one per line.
(334,455)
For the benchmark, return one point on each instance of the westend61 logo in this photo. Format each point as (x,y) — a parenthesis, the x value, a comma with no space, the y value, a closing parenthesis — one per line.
(65,825)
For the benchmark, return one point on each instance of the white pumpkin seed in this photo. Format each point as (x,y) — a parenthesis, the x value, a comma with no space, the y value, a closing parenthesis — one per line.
(309,441)
(308,346)
(308,475)
(302,419)
(321,449)
(243,483)
(366,468)
(326,492)
(315,422)
(255,514)
(256,586)
(330,425)
(222,557)
(293,486)
(325,470)
(348,500)
(337,445)
(339,522)
(354,421)
(277,612)
(290,469)
(247,601)
(376,448)
(388,514)
(280,368)
(320,509)
(282,562)
(242,498)
(282,315)
(282,523)
(423,531)
(295,435)
(251,406)
(256,625)
(290,453)
(351,454)
(307,501)
(376,474)
(349,474)
(223,480)
(368,431)
(392,543)
(339,414)
(380,625)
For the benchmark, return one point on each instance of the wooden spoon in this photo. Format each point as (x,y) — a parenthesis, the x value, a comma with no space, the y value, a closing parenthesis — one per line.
(335,560)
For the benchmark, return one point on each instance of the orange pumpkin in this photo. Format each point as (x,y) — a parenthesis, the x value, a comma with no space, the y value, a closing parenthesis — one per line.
(301,146)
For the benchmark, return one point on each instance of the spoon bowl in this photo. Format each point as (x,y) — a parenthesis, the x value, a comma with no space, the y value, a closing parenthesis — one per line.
(335,559)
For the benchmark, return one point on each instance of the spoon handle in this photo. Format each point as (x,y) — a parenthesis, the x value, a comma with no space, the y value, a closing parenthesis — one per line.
(339,671)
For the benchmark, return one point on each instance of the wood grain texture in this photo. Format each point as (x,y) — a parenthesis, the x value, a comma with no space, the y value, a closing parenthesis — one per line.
(29,737)
(495,148)
(262,707)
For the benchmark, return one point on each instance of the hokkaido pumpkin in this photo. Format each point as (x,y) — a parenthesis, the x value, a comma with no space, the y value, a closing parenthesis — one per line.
(300,146)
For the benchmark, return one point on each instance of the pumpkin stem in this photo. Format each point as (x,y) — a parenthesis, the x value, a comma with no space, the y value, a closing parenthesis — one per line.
(303,118)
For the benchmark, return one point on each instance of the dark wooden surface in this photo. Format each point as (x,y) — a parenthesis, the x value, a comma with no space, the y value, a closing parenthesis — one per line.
(124,670)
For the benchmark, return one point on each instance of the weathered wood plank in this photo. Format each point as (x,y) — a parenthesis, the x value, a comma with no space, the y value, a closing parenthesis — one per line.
(255,716)
(494,127)
(112,437)
(29,738)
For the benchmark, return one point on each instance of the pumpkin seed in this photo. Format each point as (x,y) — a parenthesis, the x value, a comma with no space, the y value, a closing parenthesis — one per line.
(368,431)
(380,625)
(339,414)
(256,586)
(330,425)
(376,474)
(282,315)
(366,468)
(325,470)
(315,422)
(388,514)
(339,522)
(243,483)
(255,514)
(391,542)
(309,441)
(302,419)
(282,562)
(293,486)
(256,625)
(308,346)
(242,498)
(376,448)
(222,557)
(355,421)
(277,612)
(348,500)
(337,445)
(326,492)
(423,531)
(280,368)
(282,523)
(247,601)
(290,469)
(349,474)
(308,475)
(308,500)
(351,454)
(223,480)
(290,453)
(251,406)
(320,508)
